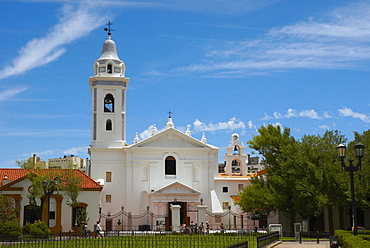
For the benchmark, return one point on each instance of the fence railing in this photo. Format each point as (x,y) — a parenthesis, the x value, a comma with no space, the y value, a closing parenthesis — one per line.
(266,239)
(131,239)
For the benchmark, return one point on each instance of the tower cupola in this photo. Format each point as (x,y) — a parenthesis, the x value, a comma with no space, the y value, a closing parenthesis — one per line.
(108,88)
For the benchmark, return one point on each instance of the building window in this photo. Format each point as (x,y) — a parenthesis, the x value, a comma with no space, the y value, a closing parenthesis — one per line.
(108,125)
(225,189)
(225,205)
(108,177)
(52,215)
(170,166)
(109,68)
(109,103)
(240,186)
(108,198)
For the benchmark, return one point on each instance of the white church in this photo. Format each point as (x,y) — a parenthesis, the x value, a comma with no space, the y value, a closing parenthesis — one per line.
(142,180)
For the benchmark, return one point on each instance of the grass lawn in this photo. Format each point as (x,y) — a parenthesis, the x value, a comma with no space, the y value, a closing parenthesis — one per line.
(148,241)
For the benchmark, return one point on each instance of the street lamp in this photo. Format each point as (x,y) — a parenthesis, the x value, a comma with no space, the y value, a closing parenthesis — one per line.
(48,191)
(359,152)
(122,208)
(229,207)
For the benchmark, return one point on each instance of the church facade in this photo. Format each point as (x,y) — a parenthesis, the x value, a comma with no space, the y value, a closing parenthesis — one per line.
(141,180)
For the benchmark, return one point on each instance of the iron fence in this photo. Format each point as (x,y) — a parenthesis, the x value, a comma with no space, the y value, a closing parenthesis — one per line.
(130,239)
(267,239)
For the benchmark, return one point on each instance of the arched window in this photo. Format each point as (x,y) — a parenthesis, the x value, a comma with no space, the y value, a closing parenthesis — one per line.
(236,150)
(108,125)
(170,166)
(235,166)
(109,103)
(109,68)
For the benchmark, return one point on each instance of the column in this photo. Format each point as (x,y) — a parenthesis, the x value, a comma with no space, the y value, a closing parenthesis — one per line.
(175,210)
(202,209)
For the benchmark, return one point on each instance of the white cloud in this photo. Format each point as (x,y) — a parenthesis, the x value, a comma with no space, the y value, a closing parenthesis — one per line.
(292,113)
(250,124)
(336,41)
(9,93)
(76,150)
(148,132)
(347,112)
(75,23)
(232,124)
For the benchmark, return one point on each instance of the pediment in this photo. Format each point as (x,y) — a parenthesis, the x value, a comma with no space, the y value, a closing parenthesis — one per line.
(171,138)
(176,188)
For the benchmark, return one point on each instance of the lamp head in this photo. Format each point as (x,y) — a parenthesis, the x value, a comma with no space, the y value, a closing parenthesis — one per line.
(359,150)
(44,184)
(341,150)
(52,184)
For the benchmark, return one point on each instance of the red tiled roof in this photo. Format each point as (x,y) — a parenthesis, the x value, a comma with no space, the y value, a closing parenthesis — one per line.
(235,198)
(15,174)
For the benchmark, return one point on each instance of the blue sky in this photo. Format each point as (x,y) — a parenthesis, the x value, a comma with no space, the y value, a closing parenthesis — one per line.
(221,66)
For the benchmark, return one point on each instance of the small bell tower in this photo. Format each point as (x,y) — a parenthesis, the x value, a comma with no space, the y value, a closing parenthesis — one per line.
(235,157)
(108,89)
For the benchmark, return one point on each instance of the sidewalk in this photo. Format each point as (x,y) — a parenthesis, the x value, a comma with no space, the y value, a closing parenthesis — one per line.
(323,244)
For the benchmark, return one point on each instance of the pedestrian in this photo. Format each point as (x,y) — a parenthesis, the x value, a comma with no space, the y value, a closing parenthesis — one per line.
(222,227)
(97,229)
(201,227)
(86,230)
(192,226)
(207,227)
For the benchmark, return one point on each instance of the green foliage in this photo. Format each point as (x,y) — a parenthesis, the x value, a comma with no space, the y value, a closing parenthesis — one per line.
(10,229)
(347,239)
(303,175)
(66,180)
(7,212)
(39,229)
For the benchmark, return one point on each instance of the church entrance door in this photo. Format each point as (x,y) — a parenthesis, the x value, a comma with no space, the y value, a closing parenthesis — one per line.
(184,219)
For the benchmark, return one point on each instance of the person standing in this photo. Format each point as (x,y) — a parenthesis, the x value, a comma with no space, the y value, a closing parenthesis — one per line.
(86,230)
(97,229)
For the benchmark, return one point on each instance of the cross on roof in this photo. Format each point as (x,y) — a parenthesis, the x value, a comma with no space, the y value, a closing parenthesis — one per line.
(169,113)
(108,28)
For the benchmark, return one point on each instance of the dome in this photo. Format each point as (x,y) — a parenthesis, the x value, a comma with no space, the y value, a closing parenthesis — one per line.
(109,50)
(235,136)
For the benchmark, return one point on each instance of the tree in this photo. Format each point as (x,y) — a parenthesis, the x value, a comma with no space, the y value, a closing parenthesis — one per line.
(66,181)
(7,212)
(9,225)
(302,176)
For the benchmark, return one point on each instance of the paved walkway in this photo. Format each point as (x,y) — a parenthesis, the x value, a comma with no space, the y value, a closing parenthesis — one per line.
(323,244)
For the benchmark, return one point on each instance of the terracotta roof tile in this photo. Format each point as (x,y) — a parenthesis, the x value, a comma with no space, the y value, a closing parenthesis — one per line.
(14,174)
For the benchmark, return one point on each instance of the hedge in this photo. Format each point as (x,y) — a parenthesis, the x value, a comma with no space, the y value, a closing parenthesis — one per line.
(348,240)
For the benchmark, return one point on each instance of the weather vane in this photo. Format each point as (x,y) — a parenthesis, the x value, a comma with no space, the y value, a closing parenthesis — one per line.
(108,28)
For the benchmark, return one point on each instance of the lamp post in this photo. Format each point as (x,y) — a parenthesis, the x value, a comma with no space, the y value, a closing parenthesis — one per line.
(351,168)
(122,208)
(48,190)
(229,207)
(119,223)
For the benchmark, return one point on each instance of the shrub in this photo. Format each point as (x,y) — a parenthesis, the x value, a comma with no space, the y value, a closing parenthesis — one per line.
(347,239)
(10,229)
(38,229)
(7,212)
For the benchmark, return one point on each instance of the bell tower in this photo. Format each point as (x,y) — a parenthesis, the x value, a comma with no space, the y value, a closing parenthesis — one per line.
(108,89)
(235,157)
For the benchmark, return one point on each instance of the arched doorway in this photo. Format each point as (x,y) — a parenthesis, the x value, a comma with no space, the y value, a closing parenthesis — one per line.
(31,214)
